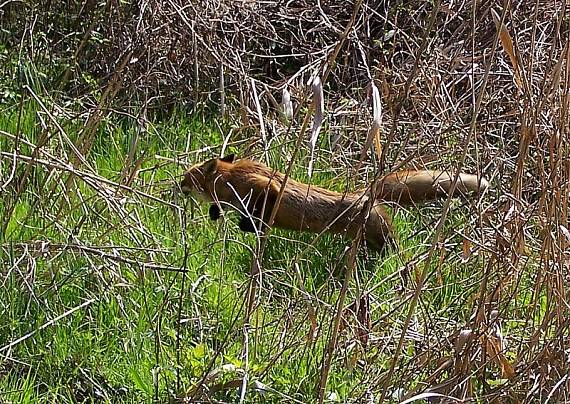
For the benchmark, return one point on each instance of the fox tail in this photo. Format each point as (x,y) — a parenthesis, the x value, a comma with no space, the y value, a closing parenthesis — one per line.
(409,187)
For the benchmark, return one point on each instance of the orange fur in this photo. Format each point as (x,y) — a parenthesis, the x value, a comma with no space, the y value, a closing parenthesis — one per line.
(251,188)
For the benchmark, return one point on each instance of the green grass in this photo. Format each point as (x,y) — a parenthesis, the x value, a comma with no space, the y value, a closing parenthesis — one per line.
(116,340)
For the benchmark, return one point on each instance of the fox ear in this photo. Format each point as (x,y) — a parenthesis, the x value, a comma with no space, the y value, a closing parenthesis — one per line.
(209,166)
(230,158)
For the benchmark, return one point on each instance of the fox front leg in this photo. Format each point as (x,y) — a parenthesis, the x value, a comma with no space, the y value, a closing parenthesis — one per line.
(247,224)
(214,212)
(260,213)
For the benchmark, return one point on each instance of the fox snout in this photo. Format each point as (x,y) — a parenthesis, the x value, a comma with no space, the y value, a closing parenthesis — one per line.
(191,186)
(188,183)
(185,189)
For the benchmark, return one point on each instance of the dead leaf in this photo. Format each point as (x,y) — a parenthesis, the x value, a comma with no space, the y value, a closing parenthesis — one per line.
(363,318)
(466,251)
(319,107)
(507,43)
(495,349)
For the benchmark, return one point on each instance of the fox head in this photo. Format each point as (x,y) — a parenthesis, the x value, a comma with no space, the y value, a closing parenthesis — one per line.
(200,179)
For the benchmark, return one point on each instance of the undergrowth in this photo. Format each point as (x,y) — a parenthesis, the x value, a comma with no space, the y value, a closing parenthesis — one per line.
(112,295)
(115,288)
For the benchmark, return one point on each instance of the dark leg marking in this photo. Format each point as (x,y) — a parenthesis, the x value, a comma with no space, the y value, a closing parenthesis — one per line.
(247,224)
(214,212)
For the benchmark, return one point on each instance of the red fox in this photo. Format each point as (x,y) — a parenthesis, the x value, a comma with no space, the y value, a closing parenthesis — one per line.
(251,188)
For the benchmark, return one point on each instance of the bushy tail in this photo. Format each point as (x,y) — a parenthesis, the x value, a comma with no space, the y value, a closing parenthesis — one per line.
(408,187)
